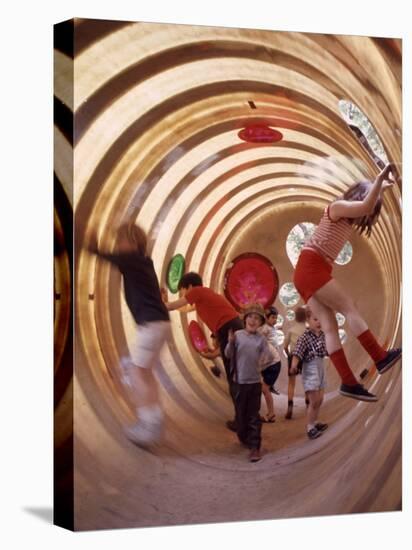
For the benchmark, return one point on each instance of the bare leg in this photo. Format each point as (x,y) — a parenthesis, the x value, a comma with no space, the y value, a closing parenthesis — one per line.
(313,408)
(333,345)
(145,390)
(291,393)
(145,396)
(328,322)
(336,299)
(291,387)
(268,399)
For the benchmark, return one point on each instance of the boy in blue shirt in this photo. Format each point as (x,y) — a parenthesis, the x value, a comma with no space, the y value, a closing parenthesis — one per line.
(247,350)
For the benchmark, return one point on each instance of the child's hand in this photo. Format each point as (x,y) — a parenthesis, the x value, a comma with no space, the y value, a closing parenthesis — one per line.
(390,175)
(396,177)
(293,370)
(231,336)
(387,184)
(163,294)
(92,241)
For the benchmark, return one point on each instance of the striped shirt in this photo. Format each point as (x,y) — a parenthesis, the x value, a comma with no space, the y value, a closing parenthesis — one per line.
(310,346)
(329,237)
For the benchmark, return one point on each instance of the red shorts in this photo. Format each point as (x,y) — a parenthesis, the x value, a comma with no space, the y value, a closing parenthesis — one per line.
(312,272)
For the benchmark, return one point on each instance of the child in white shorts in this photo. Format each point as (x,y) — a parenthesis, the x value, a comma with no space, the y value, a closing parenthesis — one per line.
(311,349)
(144,299)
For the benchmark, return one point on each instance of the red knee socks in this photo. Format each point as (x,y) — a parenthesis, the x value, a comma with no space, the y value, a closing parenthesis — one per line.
(341,364)
(370,344)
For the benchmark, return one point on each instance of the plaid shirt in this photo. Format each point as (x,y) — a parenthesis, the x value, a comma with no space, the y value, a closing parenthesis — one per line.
(310,346)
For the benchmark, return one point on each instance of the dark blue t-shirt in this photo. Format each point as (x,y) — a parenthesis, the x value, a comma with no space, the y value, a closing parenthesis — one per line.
(141,286)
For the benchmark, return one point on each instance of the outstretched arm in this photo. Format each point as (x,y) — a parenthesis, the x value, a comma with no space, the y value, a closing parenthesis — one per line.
(171,306)
(93,248)
(357,209)
(91,243)
(210,353)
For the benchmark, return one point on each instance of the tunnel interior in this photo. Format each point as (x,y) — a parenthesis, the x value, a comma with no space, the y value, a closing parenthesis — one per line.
(147,123)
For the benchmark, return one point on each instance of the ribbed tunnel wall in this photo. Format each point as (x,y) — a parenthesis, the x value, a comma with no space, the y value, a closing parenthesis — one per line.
(157,109)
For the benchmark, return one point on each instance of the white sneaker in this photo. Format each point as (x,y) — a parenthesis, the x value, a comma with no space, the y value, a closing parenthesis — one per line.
(144,434)
(125,366)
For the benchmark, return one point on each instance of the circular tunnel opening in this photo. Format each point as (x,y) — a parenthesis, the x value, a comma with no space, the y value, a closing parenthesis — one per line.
(158,145)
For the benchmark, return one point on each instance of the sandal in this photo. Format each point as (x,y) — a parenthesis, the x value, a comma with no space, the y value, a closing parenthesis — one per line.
(271,418)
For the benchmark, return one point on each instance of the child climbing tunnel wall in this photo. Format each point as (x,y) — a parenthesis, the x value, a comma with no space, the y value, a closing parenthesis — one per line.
(174,163)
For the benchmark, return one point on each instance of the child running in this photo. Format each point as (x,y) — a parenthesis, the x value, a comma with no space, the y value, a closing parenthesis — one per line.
(311,349)
(217,314)
(296,330)
(272,364)
(246,349)
(143,297)
(358,209)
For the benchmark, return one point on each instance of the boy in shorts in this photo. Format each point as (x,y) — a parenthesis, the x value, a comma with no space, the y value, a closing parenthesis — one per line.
(311,349)
(144,300)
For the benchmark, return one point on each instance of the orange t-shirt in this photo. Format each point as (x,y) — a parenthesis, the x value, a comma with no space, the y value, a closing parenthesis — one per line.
(213,309)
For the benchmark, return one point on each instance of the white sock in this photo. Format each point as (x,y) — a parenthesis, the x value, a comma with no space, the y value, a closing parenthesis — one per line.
(150,413)
(125,362)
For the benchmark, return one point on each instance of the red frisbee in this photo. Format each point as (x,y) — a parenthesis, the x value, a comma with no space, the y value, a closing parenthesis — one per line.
(260,133)
(251,278)
(197,336)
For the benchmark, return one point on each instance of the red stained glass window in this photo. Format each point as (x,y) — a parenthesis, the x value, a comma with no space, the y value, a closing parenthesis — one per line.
(251,278)
(260,133)
(197,336)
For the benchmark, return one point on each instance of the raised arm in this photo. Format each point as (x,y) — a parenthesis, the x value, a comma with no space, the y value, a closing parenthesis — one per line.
(112,257)
(230,346)
(357,209)
(91,242)
(93,248)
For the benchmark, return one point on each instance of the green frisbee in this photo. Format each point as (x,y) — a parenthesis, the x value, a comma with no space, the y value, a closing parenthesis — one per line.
(174,272)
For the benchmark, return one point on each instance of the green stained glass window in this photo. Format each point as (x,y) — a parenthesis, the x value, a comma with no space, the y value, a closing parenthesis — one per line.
(174,272)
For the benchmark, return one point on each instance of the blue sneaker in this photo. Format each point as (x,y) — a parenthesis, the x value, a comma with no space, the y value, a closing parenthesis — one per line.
(314,433)
(321,427)
(391,358)
(357,391)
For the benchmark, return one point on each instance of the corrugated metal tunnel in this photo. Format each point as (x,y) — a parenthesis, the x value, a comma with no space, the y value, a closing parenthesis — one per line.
(157,110)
